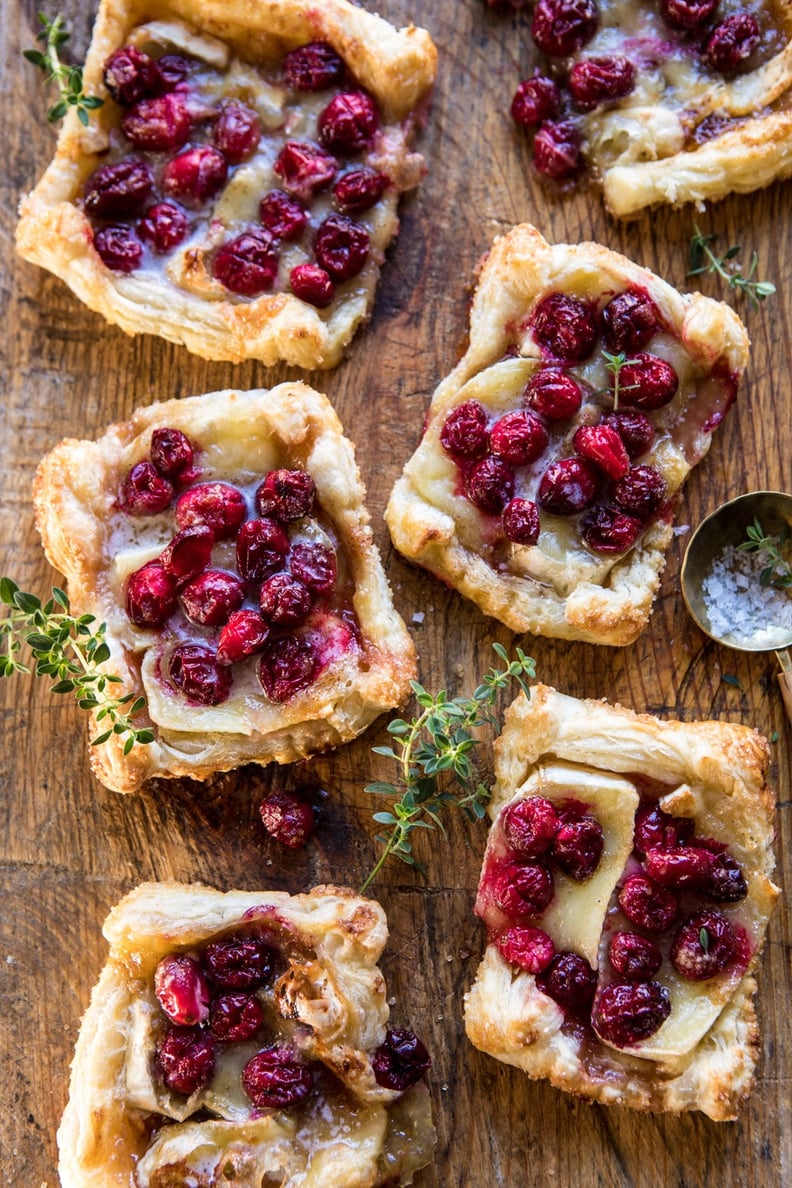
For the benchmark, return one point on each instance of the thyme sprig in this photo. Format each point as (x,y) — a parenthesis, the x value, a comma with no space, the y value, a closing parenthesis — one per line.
(703,259)
(614,364)
(777,574)
(434,753)
(69,79)
(69,649)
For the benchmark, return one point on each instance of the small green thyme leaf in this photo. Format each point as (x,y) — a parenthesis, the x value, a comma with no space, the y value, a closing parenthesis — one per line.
(701,259)
(69,79)
(704,939)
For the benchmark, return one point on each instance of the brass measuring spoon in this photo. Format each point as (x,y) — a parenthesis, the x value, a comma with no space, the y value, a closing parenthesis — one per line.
(728,525)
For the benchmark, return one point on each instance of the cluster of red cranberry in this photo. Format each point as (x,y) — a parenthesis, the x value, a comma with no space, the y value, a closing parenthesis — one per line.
(549,102)
(287,580)
(669,873)
(215,997)
(144,198)
(614,498)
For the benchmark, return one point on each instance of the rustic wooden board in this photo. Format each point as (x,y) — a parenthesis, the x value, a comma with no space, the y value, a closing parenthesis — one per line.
(70,849)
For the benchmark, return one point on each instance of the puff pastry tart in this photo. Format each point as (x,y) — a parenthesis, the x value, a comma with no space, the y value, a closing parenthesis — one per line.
(242,1038)
(626,889)
(680,101)
(224,541)
(554,453)
(237,190)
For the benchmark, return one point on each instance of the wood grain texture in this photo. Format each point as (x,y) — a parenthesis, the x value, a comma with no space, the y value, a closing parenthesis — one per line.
(70,849)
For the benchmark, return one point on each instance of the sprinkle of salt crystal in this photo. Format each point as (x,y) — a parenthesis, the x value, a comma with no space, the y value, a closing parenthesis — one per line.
(740,609)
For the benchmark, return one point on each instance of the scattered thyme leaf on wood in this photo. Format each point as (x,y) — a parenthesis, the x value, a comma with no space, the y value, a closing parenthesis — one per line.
(777,574)
(702,258)
(433,754)
(69,650)
(69,79)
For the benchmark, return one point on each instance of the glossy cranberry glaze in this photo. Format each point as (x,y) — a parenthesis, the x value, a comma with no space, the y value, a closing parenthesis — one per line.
(157,125)
(187,555)
(313,284)
(244,635)
(609,530)
(528,948)
(536,99)
(239,961)
(567,487)
(287,495)
(641,491)
(629,321)
(275,1079)
(144,492)
(348,123)
(530,825)
(118,188)
(726,881)
(519,438)
(284,601)
(523,889)
(577,847)
(287,818)
(400,1061)
(732,42)
(687,14)
(181,989)
(634,428)
(704,946)
(564,327)
(214,505)
(248,263)
(288,665)
(118,248)
(627,1013)
(212,598)
(130,76)
(171,452)
(554,394)
(195,671)
(634,957)
(570,981)
(283,215)
(490,485)
(465,431)
(656,829)
(236,1017)
(647,382)
(304,168)
(341,247)
(261,549)
(603,446)
(314,564)
(151,596)
(196,175)
(683,866)
(163,227)
(647,905)
(520,522)
(185,1059)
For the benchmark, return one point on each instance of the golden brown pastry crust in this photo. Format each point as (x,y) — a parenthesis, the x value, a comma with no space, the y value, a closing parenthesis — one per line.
(75,501)
(396,66)
(340,994)
(520,269)
(718,770)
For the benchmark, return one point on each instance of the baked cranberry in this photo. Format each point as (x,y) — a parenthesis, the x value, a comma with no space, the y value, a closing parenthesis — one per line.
(237,131)
(286,494)
(171,452)
(288,664)
(118,248)
(732,42)
(181,989)
(315,565)
(130,76)
(196,175)
(282,215)
(523,888)
(641,492)
(569,980)
(311,283)
(218,505)
(593,81)
(261,549)
(120,188)
(188,553)
(530,826)
(244,634)
(158,125)
(687,14)
(247,264)
(703,946)
(628,322)
(275,1079)
(683,866)
(634,428)
(565,327)
(518,437)
(172,70)
(236,1017)
(185,1059)
(634,957)
(288,819)
(194,670)
(536,99)
(144,492)
(284,601)
(464,432)
(646,905)
(164,226)
(603,446)
(304,168)
(490,485)
(312,67)
(400,1061)
(359,189)
(349,122)
(627,1013)
(527,948)
(646,381)
(577,848)
(520,522)
(656,829)
(150,596)
(608,530)
(556,149)
(567,487)
(341,247)
(726,881)
(212,598)
(554,394)
(238,961)
(559,27)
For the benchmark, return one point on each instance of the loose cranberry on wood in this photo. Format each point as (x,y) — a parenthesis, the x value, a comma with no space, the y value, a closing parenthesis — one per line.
(627,1013)
(536,99)
(313,67)
(185,1059)
(567,487)
(181,989)
(565,327)
(287,818)
(560,27)
(528,948)
(244,634)
(464,433)
(194,670)
(119,188)
(400,1061)
(276,1079)
(556,149)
